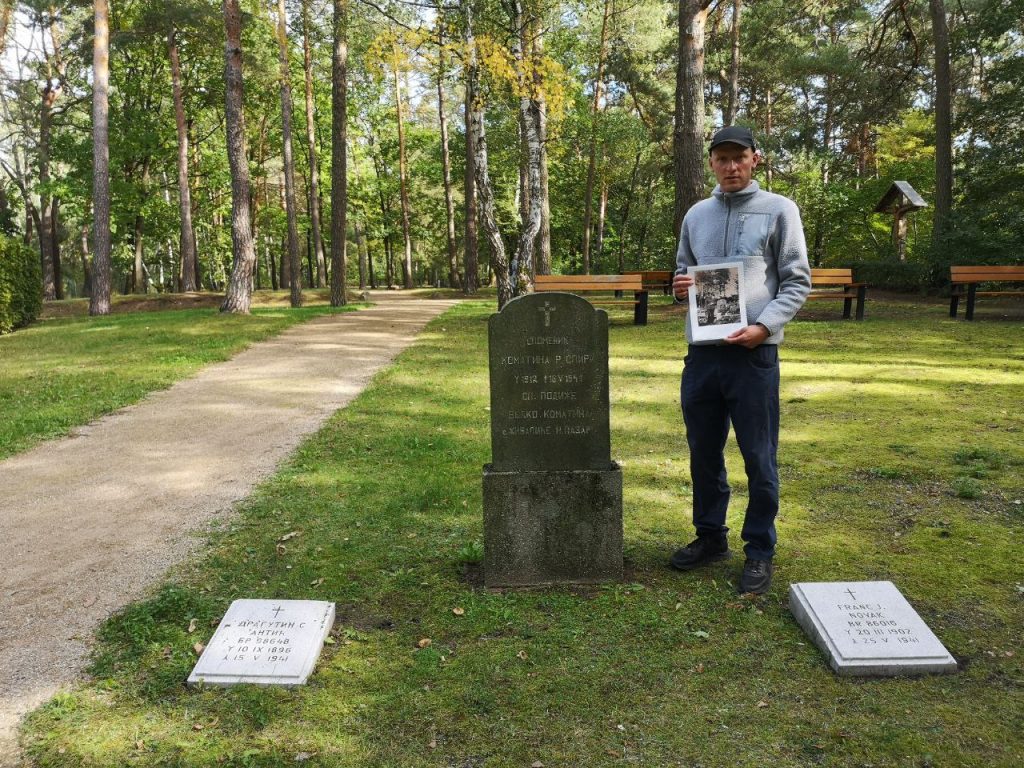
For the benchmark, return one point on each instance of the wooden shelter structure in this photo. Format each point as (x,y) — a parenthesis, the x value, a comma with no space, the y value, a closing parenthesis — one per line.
(899,200)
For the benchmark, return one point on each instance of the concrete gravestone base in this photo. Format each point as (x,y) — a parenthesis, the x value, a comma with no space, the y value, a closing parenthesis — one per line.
(552,527)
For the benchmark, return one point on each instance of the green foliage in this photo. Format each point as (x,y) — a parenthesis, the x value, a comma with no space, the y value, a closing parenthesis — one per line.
(21,294)
(839,95)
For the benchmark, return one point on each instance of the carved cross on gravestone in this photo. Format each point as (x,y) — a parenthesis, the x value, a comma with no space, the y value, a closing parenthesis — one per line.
(547,309)
(852,596)
(277,611)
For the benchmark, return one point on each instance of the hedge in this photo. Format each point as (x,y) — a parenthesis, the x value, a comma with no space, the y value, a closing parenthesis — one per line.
(21,294)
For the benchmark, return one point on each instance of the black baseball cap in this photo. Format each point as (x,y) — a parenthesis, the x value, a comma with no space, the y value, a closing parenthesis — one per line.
(733,134)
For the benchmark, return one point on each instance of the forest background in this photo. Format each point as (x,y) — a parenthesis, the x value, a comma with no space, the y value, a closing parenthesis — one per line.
(595,115)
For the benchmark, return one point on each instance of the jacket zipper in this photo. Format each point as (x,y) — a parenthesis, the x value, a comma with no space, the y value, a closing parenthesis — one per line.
(728,215)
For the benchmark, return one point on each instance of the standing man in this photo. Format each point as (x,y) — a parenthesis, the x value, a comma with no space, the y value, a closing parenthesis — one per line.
(738,380)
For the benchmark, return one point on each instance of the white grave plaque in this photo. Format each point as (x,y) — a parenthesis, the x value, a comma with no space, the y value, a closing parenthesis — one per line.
(868,628)
(265,642)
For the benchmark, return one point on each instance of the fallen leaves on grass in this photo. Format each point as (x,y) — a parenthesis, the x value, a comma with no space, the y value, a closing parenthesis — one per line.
(290,535)
(424,643)
(192,625)
(199,648)
(459,611)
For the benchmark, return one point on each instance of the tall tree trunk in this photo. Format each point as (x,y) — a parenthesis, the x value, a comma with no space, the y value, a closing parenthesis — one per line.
(339,159)
(733,104)
(6,13)
(86,270)
(625,215)
(523,190)
(48,251)
(186,236)
(372,273)
(602,210)
(58,276)
(238,293)
(138,275)
(543,255)
(471,279)
(380,169)
(769,174)
(943,124)
(99,302)
(688,136)
(363,252)
(138,237)
(588,195)
(446,160)
(295,265)
(271,262)
(193,185)
(403,179)
(484,190)
(314,167)
(529,118)
(51,289)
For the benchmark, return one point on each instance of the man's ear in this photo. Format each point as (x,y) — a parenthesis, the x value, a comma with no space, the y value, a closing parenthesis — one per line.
(758,157)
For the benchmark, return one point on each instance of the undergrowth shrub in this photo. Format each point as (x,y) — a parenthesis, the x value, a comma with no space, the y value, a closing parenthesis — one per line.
(21,296)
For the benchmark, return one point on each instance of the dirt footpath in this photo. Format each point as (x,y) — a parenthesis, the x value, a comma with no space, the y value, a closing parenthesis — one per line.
(90,522)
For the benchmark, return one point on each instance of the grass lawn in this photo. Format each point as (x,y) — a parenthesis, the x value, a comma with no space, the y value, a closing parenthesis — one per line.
(901,459)
(69,369)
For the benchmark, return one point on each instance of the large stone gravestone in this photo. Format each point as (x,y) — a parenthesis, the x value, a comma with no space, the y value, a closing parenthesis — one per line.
(265,642)
(552,494)
(868,628)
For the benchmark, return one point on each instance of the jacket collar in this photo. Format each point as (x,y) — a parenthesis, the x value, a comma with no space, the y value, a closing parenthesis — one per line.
(752,188)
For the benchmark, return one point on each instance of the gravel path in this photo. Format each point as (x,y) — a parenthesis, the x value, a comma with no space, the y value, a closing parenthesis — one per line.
(90,522)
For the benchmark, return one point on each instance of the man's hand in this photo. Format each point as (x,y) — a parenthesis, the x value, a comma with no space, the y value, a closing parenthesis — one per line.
(749,337)
(681,286)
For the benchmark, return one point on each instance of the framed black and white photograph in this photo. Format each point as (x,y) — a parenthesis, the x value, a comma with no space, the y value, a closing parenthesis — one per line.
(717,306)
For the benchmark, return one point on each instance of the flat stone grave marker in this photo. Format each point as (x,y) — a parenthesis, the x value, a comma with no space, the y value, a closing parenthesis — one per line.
(868,628)
(265,642)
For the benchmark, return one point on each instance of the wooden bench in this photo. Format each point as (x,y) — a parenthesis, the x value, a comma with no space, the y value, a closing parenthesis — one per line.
(655,279)
(967,278)
(838,284)
(591,283)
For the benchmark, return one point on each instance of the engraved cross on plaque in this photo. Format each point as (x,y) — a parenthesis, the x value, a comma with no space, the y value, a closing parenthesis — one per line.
(547,309)
(277,611)
(852,596)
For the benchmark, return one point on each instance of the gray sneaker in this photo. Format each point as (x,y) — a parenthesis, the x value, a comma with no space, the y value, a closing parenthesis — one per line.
(757,576)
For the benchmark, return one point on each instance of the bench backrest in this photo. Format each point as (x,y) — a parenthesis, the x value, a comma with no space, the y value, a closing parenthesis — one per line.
(571,283)
(653,278)
(985,274)
(822,276)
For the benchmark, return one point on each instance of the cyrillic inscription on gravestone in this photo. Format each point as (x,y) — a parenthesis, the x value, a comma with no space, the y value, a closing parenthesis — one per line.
(868,628)
(549,385)
(265,642)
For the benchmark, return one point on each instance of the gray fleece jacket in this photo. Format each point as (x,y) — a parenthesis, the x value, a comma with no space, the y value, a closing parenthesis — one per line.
(761,229)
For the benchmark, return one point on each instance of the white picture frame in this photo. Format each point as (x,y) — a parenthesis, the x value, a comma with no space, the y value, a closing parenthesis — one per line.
(718,304)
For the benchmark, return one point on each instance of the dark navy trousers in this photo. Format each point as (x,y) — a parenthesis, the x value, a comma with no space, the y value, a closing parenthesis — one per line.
(723,384)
